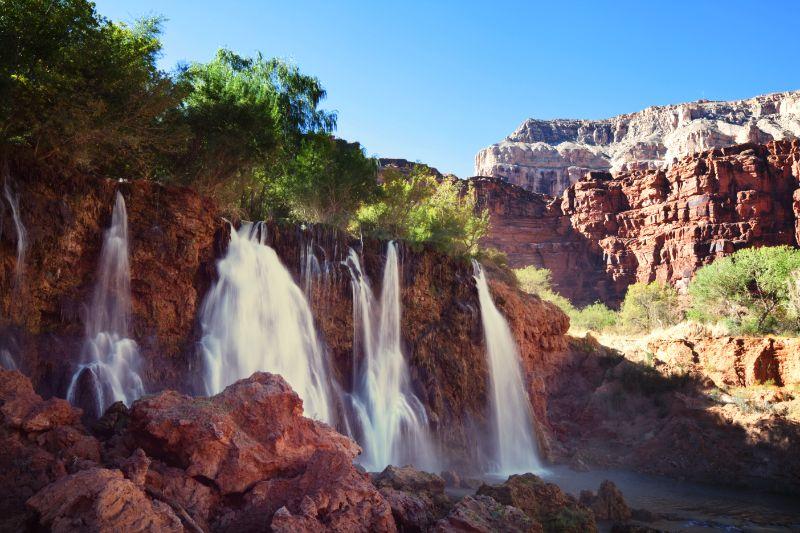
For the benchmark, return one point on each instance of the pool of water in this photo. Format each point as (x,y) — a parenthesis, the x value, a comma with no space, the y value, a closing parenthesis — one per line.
(686,506)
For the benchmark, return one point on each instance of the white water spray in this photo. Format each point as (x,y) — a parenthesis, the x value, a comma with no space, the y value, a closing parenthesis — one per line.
(256,318)
(110,369)
(515,447)
(22,234)
(7,360)
(393,421)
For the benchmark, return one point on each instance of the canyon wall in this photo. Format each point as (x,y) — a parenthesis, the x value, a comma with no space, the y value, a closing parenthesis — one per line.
(608,231)
(547,156)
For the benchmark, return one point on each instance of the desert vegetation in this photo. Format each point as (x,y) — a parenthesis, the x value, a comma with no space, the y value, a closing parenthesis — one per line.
(752,291)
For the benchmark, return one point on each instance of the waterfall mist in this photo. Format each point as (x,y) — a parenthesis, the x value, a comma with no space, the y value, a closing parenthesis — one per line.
(256,318)
(392,420)
(111,362)
(515,448)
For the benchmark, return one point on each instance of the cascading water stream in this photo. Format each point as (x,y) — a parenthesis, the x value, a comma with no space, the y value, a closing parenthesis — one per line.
(111,362)
(393,422)
(22,234)
(515,448)
(256,318)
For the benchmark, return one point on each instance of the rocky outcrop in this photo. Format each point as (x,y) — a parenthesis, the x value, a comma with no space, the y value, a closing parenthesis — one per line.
(484,514)
(417,498)
(607,504)
(542,502)
(547,156)
(607,232)
(244,460)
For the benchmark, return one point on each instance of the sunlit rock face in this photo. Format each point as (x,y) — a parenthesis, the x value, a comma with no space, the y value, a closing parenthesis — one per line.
(547,156)
(608,231)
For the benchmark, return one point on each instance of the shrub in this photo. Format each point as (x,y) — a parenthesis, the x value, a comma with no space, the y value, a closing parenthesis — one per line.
(418,208)
(750,289)
(326,182)
(648,306)
(538,281)
(596,317)
(78,92)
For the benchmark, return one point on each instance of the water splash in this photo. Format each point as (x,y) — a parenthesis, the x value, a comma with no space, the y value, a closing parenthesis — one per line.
(394,425)
(515,447)
(256,318)
(22,234)
(110,369)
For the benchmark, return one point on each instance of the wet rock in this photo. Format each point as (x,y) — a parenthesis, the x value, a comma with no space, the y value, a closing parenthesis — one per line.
(253,430)
(483,514)
(417,498)
(543,502)
(607,504)
(99,499)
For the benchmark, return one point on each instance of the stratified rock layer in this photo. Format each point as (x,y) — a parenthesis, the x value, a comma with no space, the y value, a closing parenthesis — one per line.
(606,232)
(547,156)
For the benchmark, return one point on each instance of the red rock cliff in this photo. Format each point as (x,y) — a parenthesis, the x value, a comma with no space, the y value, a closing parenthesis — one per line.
(607,232)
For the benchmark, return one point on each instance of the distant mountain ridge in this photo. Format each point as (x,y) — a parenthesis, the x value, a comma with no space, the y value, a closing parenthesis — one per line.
(547,156)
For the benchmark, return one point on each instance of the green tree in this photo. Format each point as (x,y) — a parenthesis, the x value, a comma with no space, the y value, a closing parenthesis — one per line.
(326,182)
(78,92)
(749,289)
(419,208)
(246,119)
(648,306)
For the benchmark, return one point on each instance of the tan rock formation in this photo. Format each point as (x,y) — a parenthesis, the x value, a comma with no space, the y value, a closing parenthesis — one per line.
(547,156)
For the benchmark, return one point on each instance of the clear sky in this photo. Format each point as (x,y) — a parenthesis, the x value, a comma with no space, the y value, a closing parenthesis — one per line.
(435,81)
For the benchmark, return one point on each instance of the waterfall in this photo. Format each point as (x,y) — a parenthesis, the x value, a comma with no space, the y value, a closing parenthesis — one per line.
(256,318)
(7,360)
(22,234)
(111,361)
(515,448)
(394,425)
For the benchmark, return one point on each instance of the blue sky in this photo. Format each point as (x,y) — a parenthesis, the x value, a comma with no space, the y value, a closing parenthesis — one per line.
(436,81)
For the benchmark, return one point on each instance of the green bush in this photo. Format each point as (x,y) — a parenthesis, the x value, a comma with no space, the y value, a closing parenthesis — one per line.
(80,93)
(538,281)
(327,181)
(648,306)
(418,208)
(751,290)
(596,317)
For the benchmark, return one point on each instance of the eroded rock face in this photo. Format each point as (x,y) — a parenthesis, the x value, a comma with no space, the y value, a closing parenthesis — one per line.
(547,156)
(172,250)
(41,441)
(98,499)
(608,231)
(607,504)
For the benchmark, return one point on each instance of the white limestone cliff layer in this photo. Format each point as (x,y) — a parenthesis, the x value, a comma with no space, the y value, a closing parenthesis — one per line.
(546,156)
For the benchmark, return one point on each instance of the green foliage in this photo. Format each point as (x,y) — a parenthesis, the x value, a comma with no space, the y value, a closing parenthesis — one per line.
(247,119)
(751,290)
(648,306)
(418,208)
(326,182)
(538,281)
(78,92)
(596,317)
